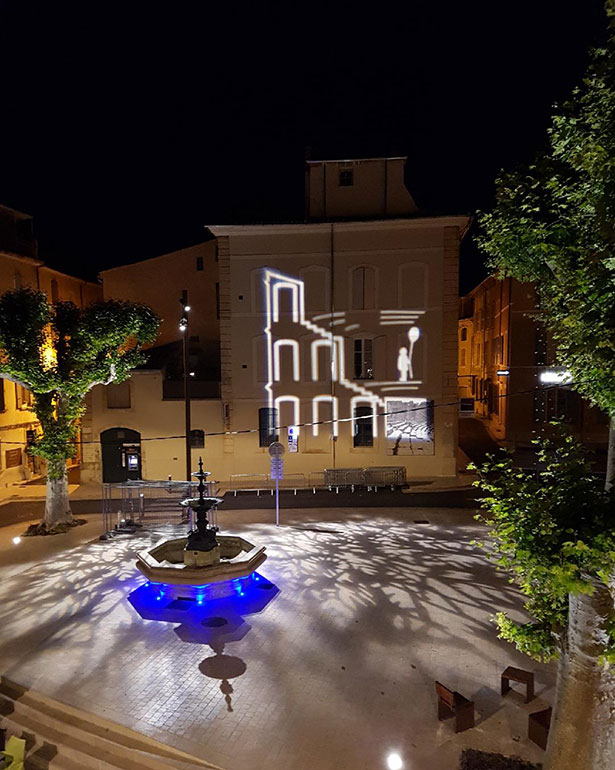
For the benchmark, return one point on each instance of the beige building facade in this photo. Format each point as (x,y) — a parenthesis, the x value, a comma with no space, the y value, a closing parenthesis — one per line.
(506,368)
(20,268)
(336,336)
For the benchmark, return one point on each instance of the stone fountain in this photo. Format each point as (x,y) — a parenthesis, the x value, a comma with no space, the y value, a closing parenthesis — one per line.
(187,565)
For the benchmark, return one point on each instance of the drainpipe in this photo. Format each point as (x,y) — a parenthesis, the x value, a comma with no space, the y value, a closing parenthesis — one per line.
(332,349)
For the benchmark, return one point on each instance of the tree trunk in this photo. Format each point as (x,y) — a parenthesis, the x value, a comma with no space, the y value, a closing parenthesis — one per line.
(57,506)
(610,459)
(582,735)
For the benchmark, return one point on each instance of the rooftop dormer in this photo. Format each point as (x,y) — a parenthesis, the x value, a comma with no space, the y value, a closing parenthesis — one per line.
(356,189)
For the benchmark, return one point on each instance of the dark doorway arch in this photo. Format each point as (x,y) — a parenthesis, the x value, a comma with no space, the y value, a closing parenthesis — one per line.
(121,454)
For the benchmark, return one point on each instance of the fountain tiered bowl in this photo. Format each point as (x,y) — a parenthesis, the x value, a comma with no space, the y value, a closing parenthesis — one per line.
(203,561)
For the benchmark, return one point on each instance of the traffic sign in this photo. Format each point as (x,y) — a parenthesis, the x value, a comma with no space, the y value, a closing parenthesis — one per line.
(276,449)
(277,468)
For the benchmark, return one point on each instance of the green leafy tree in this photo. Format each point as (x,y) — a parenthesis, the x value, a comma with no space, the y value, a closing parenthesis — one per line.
(554,224)
(59,352)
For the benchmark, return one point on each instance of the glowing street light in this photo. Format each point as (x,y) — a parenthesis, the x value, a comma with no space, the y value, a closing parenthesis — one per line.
(183,327)
(555,377)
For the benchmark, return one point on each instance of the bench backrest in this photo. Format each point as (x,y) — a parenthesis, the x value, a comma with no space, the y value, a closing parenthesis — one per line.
(445,695)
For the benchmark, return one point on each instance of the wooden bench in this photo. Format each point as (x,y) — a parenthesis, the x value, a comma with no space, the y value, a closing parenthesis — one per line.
(538,727)
(512,674)
(454,704)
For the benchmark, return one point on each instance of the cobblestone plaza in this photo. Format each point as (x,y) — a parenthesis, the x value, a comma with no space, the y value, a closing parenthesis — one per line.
(332,667)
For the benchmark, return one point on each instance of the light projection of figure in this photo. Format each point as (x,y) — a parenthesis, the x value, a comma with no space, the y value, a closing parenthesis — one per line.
(404,357)
(403,364)
(413,334)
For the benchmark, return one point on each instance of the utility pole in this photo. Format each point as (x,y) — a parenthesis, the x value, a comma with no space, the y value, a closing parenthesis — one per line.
(184,329)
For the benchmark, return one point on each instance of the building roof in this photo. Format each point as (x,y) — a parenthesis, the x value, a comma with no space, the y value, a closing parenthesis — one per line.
(462,221)
(355,160)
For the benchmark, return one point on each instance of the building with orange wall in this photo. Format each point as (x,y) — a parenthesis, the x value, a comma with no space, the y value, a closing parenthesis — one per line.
(506,368)
(20,268)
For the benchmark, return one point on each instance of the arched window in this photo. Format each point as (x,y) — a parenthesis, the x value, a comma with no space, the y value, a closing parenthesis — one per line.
(464,333)
(364,420)
(412,285)
(332,427)
(315,287)
(285,300)
(277,369)
(283,416)
(324,362)
(363,288)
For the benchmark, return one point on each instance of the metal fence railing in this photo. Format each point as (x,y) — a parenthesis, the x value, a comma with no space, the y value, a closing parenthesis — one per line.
(372,478)
(330,478)
(131,504)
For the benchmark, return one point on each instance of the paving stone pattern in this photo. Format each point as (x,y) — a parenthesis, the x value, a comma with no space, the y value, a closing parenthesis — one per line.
(335,672)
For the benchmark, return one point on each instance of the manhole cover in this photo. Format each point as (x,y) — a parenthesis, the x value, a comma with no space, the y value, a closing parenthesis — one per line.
(214,622)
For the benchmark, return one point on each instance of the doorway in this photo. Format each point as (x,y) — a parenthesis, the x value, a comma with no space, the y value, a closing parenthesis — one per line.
(121,454)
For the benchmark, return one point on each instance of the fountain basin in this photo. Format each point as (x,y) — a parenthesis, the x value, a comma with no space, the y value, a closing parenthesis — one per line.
(164,563)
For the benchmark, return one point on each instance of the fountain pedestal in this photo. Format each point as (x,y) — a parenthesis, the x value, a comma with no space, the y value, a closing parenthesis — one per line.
(201,558)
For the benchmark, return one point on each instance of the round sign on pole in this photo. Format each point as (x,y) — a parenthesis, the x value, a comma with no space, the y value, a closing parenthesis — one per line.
(276,449)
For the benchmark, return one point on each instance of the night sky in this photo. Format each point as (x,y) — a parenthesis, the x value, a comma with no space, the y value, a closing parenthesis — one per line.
(127,127)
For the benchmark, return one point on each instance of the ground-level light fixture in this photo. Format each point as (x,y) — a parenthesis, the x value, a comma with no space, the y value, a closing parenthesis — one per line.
(394,761)
(555,377)
(16,540)
(503,372)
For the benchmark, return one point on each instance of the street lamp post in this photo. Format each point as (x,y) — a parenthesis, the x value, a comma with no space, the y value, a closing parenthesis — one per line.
(183,327)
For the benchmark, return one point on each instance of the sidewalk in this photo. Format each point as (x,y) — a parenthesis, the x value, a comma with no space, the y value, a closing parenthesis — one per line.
(37,491)
(93,491)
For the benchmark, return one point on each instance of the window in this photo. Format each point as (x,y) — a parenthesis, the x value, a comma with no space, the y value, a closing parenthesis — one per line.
(363,288)
(498,350)
(363,426)
(557,404)
(464,333)
(540,346)
(197,439)
(346,178)
(493,397)
(2,401)
(118,396)
(218,301)
(462,359)
(23,397)
(267,422)
(12,458)
(199,263)
(363,366)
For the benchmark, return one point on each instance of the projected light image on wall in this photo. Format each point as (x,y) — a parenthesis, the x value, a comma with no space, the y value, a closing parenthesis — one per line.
(331,347)
(409,426)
